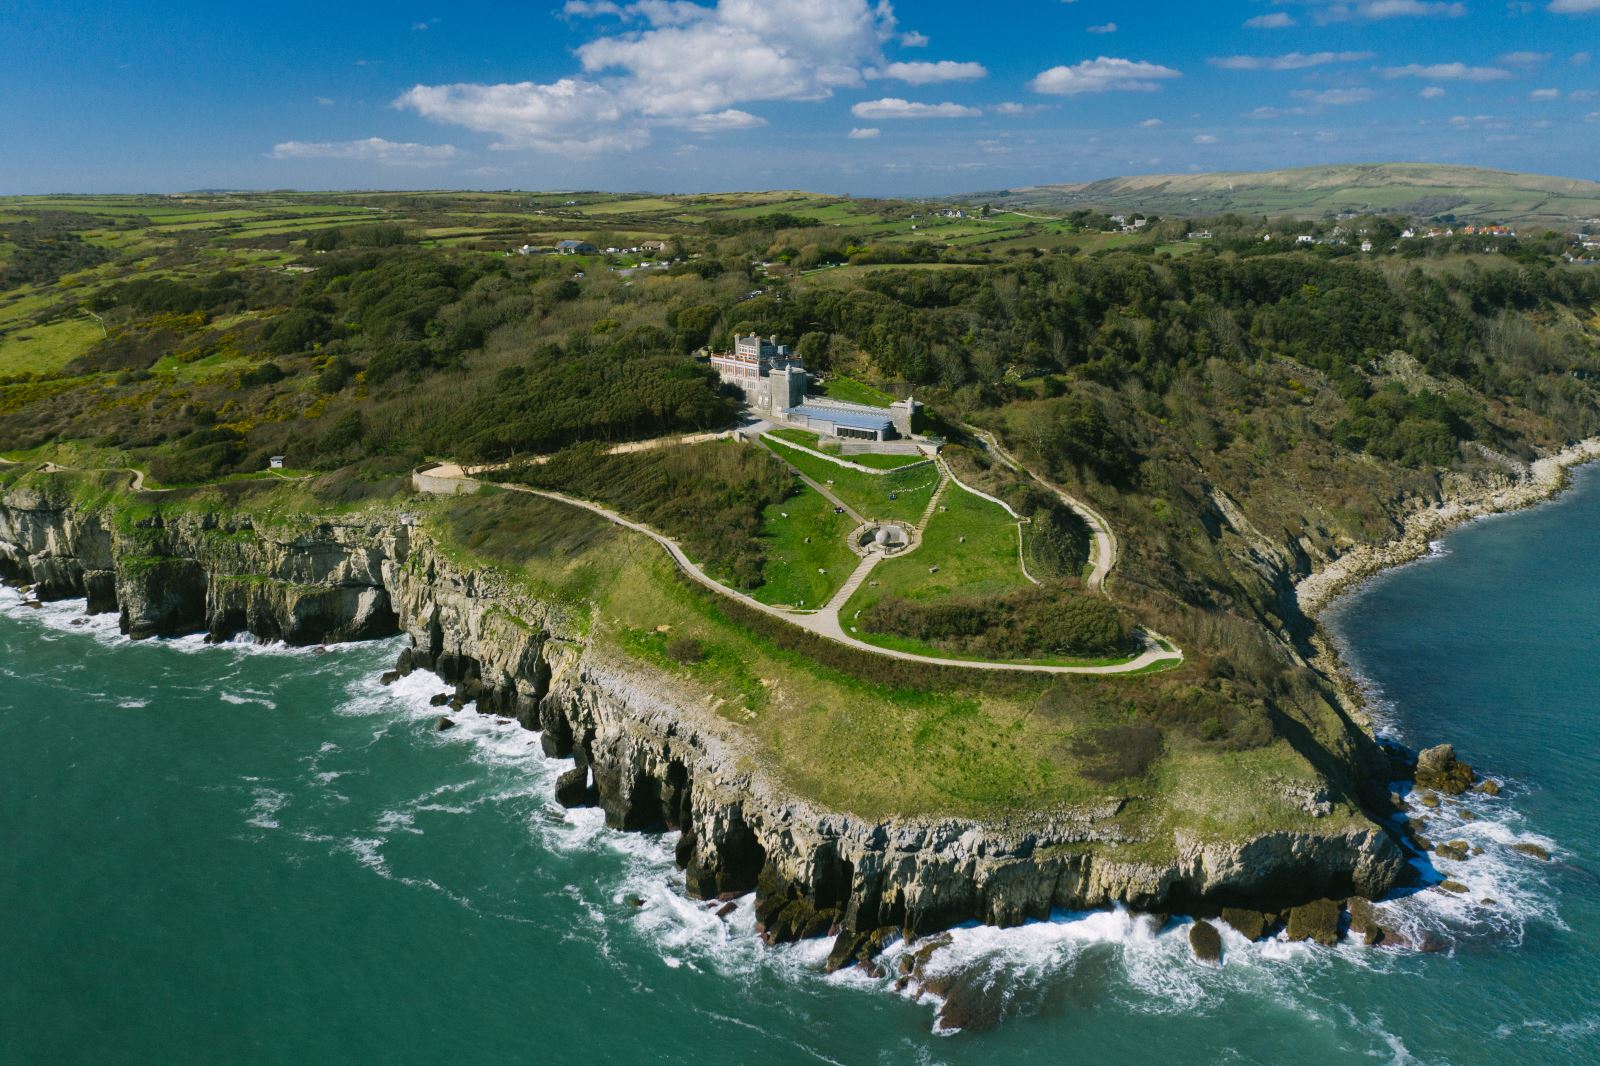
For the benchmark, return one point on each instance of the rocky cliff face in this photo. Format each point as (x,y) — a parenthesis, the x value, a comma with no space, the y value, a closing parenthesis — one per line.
(649,759)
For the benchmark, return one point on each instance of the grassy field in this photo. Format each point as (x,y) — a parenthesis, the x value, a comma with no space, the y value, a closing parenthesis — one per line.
(869,494)
(805,439)
(807,558)
(46,349)
(953,744)
(849,390)
(885,462)
(875,460)
(972,542)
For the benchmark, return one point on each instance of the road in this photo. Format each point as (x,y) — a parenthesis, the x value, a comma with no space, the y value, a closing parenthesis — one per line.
(450,479)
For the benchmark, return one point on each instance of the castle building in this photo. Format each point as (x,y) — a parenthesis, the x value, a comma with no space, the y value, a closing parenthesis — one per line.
(774,382)
(772,378)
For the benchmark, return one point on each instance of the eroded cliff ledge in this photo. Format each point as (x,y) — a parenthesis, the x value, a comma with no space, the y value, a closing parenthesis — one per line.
(651,756)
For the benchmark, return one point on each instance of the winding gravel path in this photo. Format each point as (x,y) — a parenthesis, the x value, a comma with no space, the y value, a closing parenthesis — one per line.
(450,479)
(1105,542)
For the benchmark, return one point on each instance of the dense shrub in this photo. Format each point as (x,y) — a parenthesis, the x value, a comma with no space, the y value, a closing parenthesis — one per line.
(708,497)
(1034,623)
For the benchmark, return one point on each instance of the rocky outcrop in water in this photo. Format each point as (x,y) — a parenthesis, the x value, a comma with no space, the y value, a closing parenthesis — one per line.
(649,757)
(1439,769)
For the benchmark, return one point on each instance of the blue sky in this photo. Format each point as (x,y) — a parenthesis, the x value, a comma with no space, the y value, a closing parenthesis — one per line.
(842,96)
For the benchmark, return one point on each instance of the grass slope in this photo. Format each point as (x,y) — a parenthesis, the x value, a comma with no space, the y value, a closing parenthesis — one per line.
(974,545)
(869,494)
(807,559)
(1471,193)
(944,744)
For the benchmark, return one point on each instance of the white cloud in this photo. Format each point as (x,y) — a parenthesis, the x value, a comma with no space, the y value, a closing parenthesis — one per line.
(1574,7)
(570,115)
(1204,138)
(371,150)
(1291,61)
(689,63)
(1583,94)
(1149,123)
(1263,113)
(1278,20)
(1525,59)
(1334,97)
(1490,122)
(1384,9)
(913,39)
(1102,75)
(719,121)
(1545,94)
(323,101)
(931,73)
(864,133)
(894,107)
(1579,58)
(1447,72)
(1388,9)
(1105,27)
(1432,92)
(742,50)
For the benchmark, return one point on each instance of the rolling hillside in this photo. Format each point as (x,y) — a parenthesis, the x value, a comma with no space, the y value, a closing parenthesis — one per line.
(1418,189)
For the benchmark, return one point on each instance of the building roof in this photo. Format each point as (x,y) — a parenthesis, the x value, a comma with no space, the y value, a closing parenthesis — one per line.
(840,416)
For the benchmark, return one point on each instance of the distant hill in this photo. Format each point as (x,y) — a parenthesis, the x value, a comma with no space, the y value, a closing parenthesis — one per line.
(1422,190)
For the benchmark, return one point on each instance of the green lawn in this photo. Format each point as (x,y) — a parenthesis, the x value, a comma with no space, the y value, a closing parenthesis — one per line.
(884,462)
(814,441)
(804,438)
(849,390)
(868,494)
(794,571)
(984,564)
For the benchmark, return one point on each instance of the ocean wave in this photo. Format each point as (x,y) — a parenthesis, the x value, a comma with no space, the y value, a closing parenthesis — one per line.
(1120,954)
(69,617)
(251,698)
(1506,890)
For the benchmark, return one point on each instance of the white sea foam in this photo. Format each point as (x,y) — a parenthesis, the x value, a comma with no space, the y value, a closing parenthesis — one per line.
(1146,970)
(240,701)
(59,616)
(1516,883)
(265,806)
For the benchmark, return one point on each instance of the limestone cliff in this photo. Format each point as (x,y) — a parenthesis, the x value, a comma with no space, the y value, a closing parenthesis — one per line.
(651,760)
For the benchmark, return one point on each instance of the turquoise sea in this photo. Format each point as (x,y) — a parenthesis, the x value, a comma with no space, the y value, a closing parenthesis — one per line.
(241,854)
